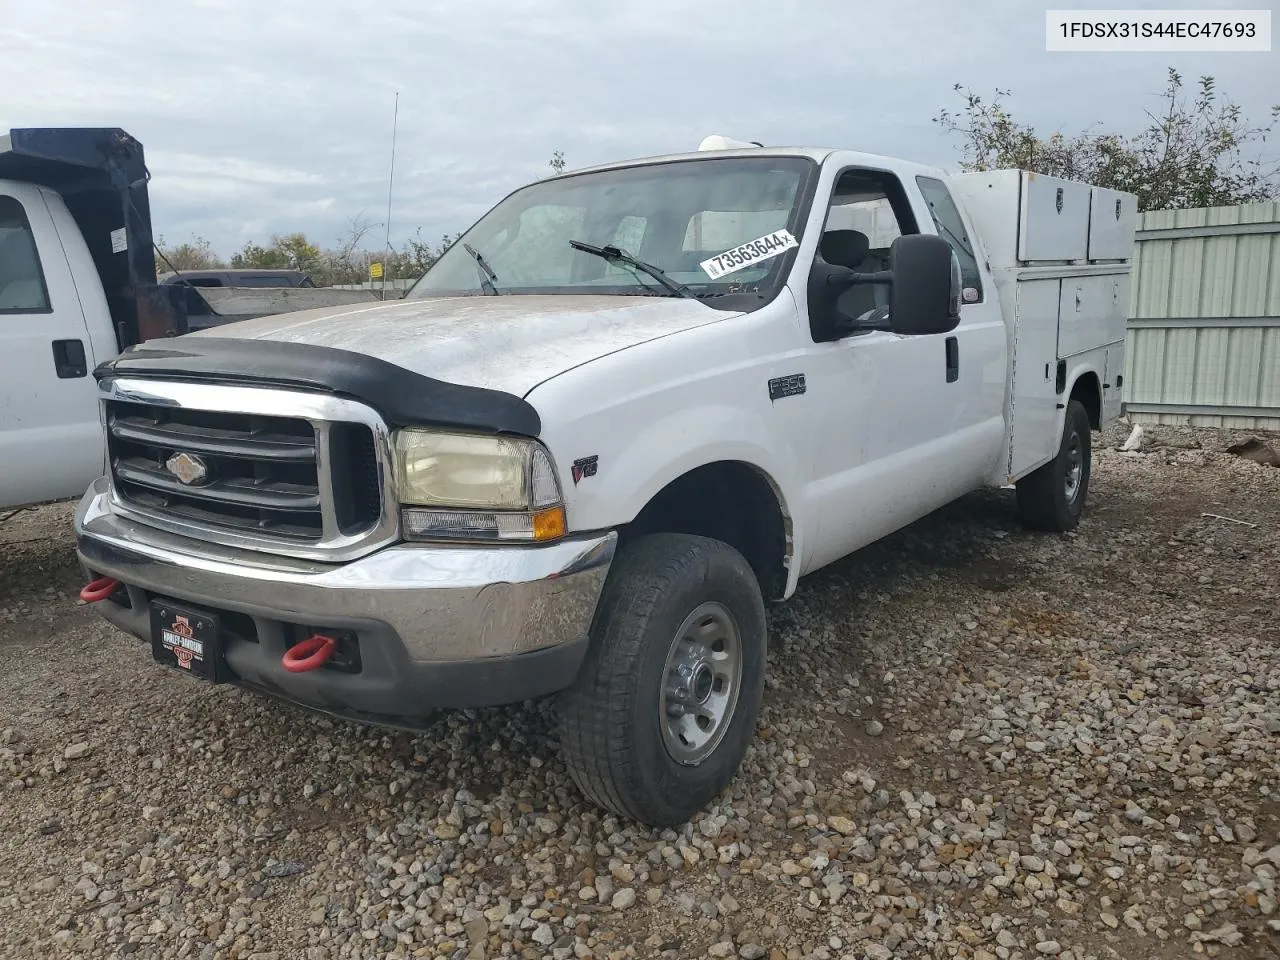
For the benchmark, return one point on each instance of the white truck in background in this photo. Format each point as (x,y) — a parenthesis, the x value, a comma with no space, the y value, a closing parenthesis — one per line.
(78,284)
(629,406)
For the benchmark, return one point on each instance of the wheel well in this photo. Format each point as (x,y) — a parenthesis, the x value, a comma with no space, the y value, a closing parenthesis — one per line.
(1087,391)
(729,501)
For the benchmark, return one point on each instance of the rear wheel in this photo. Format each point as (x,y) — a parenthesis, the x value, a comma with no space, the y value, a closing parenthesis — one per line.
(1052,498)
(665,705)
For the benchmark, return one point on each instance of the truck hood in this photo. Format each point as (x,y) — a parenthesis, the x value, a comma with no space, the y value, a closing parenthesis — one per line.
(507,343)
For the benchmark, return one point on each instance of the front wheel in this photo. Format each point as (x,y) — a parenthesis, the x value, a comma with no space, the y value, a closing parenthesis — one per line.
(662,712)
(1052,497)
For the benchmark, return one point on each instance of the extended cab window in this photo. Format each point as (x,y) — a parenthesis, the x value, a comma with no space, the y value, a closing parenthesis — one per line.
(22,286)
(950,225)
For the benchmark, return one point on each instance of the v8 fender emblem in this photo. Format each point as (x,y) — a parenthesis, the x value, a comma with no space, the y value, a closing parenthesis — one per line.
(585,467)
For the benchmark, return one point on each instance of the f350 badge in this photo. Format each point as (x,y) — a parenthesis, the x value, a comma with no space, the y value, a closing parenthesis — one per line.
(792,385)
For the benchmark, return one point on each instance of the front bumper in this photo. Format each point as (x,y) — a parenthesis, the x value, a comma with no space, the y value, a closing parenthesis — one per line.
(436,626)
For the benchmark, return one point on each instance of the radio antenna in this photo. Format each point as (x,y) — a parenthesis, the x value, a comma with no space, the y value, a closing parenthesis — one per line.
(391,179)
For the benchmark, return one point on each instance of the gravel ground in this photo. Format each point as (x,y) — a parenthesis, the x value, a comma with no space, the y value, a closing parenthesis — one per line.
(976,743)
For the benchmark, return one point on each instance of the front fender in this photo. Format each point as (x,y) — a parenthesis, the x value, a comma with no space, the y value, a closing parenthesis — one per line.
(624,426)
(669,448)
(633,466)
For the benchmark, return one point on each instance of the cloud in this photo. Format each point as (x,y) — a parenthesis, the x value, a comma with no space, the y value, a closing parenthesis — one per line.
(233,169)
(270,118)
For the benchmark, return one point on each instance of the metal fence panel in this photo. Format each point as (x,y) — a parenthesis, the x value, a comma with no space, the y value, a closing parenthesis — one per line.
(1204,331)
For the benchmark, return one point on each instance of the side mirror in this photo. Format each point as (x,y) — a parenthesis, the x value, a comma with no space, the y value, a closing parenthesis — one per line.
(827,281)
(925,297)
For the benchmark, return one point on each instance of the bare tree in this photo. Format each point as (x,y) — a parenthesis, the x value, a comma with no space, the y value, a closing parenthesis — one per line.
(417,256)
(1196,153)
(349,263)
(196,254)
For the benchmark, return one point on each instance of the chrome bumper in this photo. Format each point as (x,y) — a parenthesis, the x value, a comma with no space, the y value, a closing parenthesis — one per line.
(441,603)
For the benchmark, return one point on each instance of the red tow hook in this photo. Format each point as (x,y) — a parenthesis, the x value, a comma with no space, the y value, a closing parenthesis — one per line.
(311,654)
(99,589)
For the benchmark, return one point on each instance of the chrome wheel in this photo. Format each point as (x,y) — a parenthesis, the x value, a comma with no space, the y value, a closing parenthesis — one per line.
(1075,467)
(700,684)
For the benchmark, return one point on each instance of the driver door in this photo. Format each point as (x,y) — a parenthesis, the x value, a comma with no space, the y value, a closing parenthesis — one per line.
(883,429)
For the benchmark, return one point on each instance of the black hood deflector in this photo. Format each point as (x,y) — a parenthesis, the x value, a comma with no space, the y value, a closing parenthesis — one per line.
(402,397)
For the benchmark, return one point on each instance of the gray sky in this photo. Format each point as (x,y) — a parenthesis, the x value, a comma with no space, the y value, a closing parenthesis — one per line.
(274,116)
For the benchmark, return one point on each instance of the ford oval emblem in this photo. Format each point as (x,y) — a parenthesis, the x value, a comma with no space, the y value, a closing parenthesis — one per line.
(188,468)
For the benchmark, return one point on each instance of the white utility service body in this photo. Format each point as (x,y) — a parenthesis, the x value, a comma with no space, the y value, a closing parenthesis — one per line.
(628,406)
(1060,253)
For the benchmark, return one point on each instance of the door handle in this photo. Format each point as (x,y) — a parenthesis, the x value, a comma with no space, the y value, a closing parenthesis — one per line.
(69,359)
(953,359)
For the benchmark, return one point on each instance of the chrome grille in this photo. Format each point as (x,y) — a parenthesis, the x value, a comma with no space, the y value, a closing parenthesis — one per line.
(261,471)
(278,471)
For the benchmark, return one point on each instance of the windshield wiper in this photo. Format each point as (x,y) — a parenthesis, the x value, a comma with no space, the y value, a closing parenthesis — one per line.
(488,279)
(616,255)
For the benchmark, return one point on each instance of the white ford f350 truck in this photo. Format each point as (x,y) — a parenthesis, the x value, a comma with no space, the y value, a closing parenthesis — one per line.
(628,407)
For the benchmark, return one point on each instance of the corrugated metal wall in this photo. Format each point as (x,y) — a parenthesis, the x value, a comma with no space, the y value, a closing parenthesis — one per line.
(1203,346)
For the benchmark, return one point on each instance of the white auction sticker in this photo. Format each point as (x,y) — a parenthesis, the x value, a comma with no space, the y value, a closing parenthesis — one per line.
(754,251)
(119,241)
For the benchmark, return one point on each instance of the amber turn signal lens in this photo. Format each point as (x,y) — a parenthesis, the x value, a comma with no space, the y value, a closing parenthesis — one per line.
(549,524)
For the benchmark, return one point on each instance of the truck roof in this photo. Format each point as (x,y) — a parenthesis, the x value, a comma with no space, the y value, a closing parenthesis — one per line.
(817,154)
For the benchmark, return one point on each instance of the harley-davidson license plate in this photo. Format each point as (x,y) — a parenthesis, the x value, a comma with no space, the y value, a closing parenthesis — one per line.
(186,639)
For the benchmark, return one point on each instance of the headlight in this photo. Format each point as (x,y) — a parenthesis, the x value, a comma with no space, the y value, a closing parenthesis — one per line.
(457,486)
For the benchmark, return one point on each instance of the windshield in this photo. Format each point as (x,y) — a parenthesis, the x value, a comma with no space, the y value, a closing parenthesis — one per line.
(722,227)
